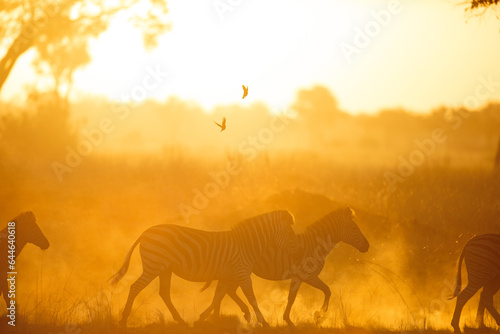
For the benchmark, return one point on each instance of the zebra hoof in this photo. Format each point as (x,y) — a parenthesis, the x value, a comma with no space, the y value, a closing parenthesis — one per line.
(248,317)
(196,323)
(202,318)
(319,317)
(182,323)
(289,323)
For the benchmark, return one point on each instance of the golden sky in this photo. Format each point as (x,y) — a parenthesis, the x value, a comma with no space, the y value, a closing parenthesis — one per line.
(425,54)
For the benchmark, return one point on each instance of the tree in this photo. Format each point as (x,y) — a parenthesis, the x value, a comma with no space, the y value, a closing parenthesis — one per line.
(317,105)
(476,4)
(318,111)
(60,30)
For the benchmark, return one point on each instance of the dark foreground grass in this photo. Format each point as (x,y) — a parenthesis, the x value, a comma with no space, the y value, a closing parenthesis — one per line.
(224,325)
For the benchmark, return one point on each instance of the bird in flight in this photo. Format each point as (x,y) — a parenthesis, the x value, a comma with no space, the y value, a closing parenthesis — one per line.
(223,125)
(245,91)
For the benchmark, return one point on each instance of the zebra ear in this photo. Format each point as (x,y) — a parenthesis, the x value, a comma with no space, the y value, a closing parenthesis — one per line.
(351,212)
(287,216)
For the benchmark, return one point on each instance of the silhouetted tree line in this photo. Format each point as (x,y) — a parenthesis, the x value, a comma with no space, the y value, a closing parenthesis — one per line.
(48,125)
(37,132)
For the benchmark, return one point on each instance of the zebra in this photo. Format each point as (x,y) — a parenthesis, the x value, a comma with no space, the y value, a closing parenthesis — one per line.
(199,256)
(482,259)
(277,264)
(26,231)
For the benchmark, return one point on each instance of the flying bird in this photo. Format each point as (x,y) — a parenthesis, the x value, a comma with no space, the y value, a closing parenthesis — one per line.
(223,126)
(245,91)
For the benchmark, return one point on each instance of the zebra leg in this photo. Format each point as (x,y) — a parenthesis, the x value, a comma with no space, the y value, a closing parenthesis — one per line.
(463,297)
(486,301)
(135,288)
(317,283)
(223,288)
(219,287)
(292,294)
(165,280)
(220,292)
(244,308)
(246,286)
(217,306)
(480,310)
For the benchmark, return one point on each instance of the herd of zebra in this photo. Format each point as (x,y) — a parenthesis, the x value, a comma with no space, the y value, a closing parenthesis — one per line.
(267,246)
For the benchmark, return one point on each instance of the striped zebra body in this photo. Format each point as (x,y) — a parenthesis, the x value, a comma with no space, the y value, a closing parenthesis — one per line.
(198,256)
(315,244)
(26,231)
(482,259)
(167,245)
(278,264)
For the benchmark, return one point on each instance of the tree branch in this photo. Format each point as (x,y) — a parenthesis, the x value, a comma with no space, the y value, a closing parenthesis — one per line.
(18,47)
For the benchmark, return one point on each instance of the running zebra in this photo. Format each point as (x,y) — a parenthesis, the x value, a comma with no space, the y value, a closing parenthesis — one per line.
(482,259)
(26,231)
(277,264)
(202,256)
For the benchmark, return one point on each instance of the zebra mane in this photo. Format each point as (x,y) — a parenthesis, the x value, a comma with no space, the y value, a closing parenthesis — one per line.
(268,217)
(334,217)
(23,216)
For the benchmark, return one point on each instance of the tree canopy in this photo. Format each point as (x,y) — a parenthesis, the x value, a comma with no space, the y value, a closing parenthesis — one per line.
(60,30)
(475,4)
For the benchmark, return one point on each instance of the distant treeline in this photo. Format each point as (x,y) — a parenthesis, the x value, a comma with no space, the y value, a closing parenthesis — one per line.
(47,126)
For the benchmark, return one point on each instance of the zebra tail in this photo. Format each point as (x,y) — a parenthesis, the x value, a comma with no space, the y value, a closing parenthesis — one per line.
(458,278)
(120,273)
(206,286)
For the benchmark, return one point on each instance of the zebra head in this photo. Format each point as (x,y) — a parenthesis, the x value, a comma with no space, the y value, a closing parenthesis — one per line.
(350,232)
(29,231)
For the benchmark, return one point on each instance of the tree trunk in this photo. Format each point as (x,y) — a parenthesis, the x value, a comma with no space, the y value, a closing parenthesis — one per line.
(18,47)
(497,160)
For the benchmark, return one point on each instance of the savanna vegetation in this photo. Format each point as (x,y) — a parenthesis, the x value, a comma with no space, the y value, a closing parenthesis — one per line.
(94,192)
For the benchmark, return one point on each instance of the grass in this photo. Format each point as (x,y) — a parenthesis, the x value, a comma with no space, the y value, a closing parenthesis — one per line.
(416,233)
(224,325)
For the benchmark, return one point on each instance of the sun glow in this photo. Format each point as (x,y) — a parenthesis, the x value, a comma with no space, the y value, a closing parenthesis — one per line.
(280,47)
(210,64)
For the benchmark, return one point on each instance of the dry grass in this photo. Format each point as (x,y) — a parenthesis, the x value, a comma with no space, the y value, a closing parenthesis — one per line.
(416,232)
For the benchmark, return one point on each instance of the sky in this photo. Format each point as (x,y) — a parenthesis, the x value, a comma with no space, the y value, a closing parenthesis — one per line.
(371,54)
